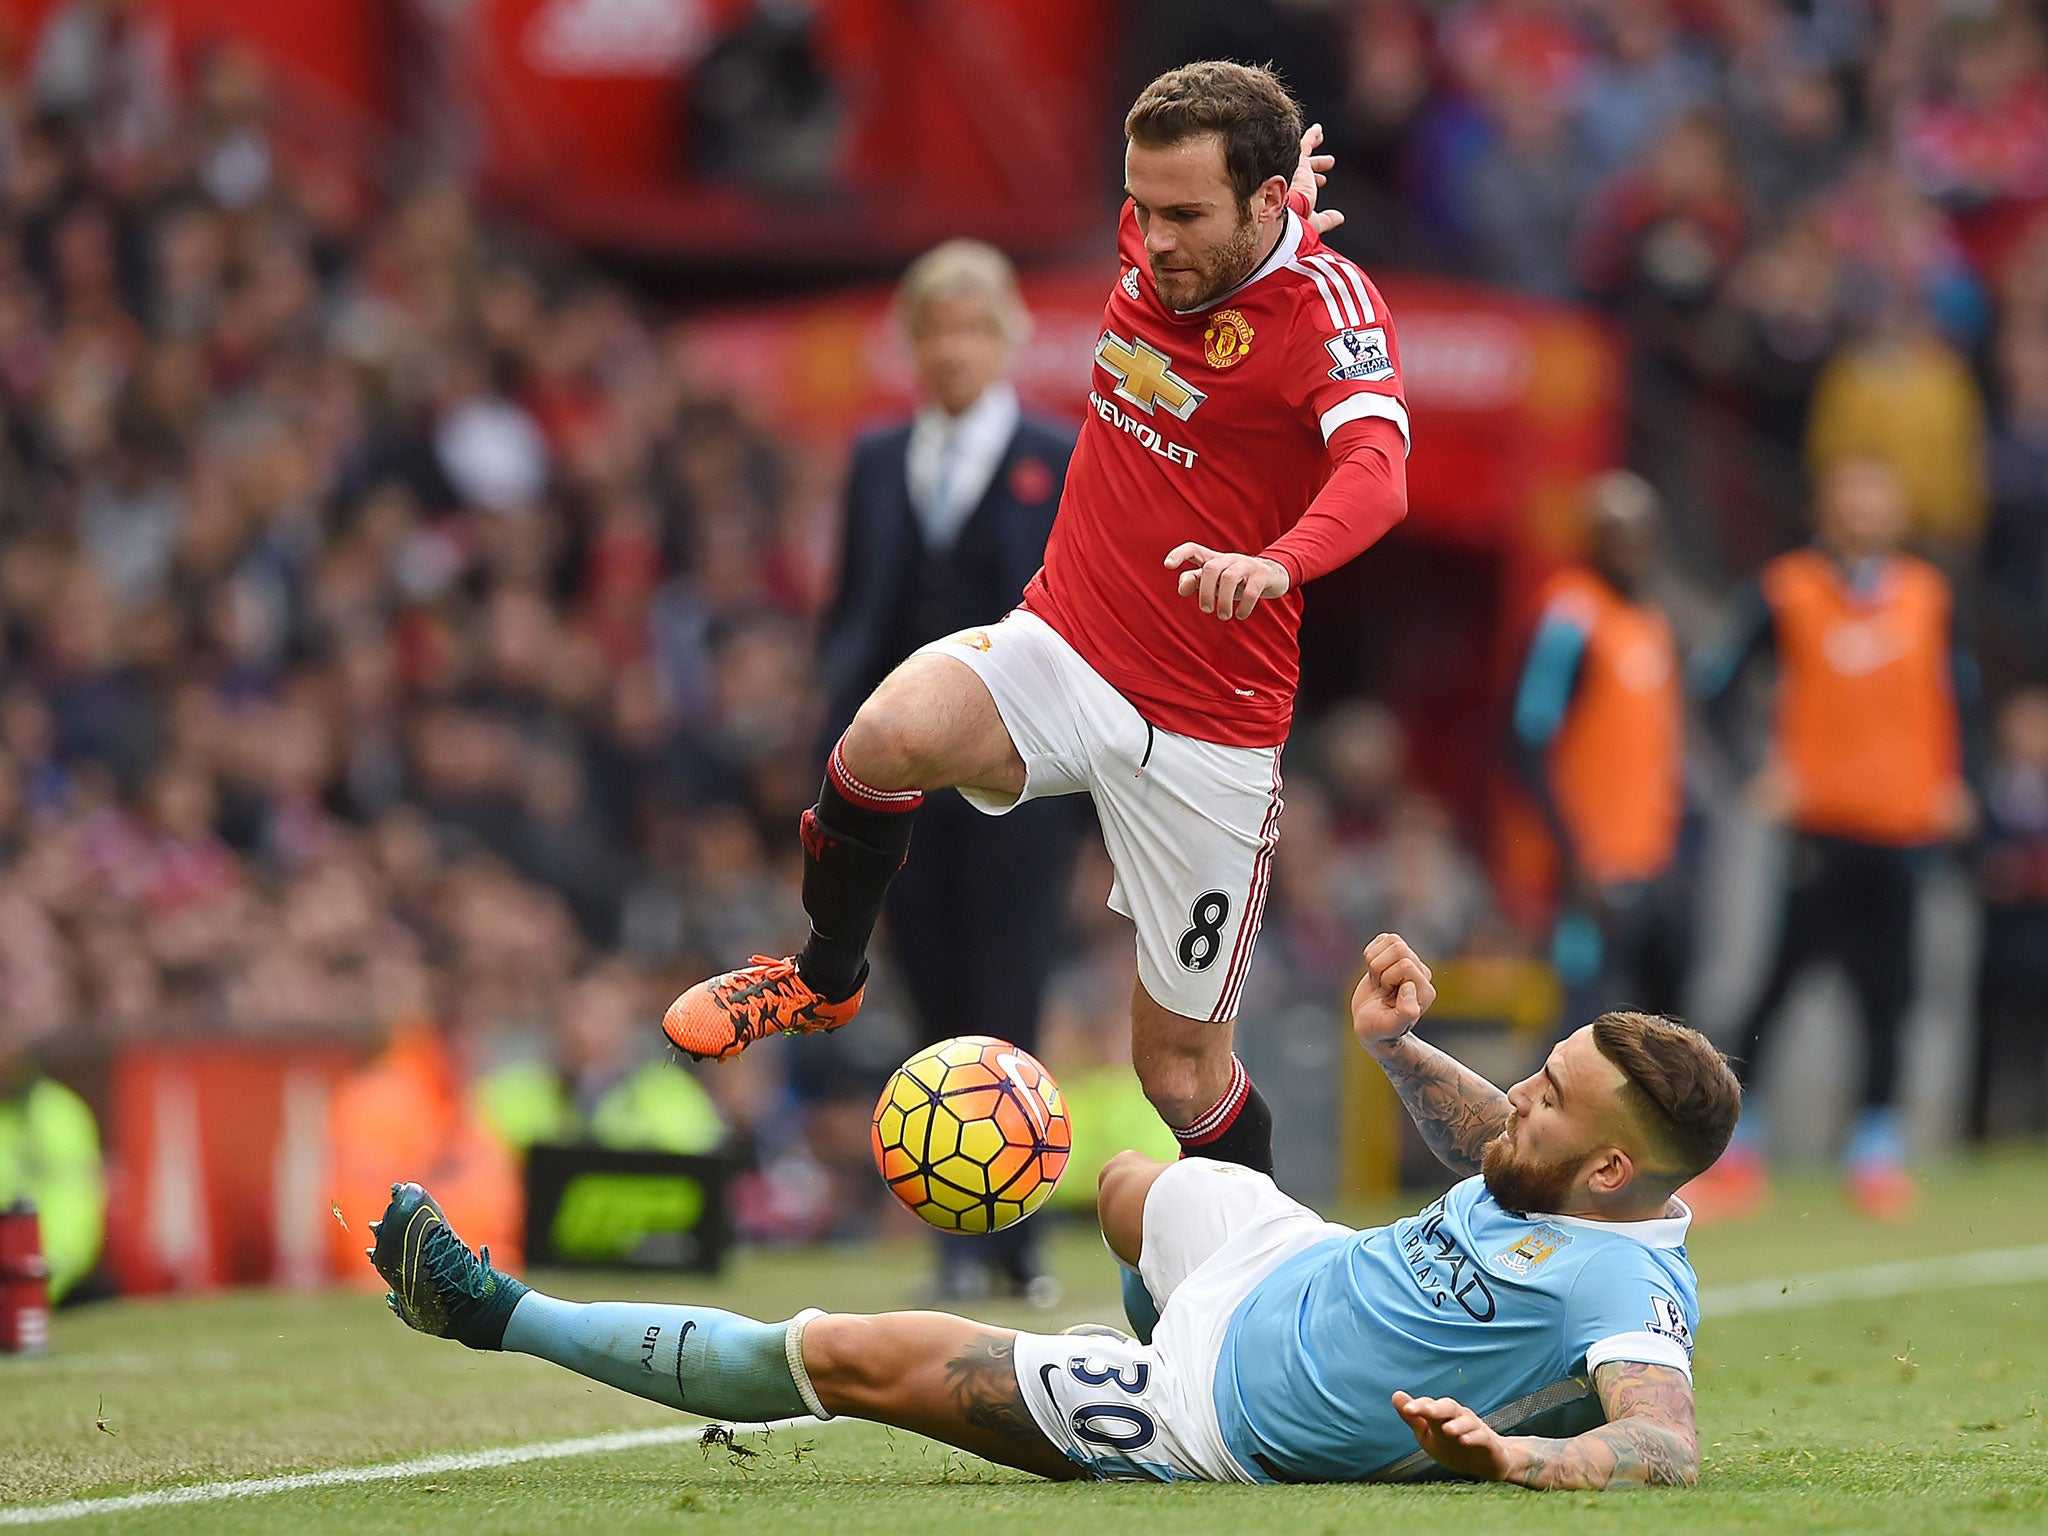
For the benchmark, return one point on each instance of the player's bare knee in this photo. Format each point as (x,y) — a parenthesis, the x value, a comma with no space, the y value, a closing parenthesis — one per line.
(1174,1083)
(1120,1170)
(920,729)
(1183,1064)
(1109,1183)
(1125,1182)
(846,1361)
(884,747)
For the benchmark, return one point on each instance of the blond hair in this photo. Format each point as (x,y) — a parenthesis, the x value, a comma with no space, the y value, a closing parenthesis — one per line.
(964,268)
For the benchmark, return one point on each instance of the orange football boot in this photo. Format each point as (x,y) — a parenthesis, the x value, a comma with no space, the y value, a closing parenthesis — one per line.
(1882,1190)
(723,1016)
(1735,1187)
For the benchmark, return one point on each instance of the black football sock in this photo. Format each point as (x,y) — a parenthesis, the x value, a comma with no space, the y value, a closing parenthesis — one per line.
(855,839)
(1237,1128)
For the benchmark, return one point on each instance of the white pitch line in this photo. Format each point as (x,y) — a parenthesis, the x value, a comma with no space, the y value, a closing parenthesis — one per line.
(1869,1282)
(424,1466)
(1875,1282)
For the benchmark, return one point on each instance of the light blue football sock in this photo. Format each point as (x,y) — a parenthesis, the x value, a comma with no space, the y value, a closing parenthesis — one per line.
(1876,1138)
(1139,1307)
(698,1359)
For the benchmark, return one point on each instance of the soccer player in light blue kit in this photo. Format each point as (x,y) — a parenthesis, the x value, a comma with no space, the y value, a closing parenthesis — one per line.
(1534,1325)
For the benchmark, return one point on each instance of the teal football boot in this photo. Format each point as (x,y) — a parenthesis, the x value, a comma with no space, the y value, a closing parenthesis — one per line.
(437,1285)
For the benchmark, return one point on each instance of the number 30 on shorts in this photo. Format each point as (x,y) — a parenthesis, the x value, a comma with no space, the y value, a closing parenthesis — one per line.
(1113,1426)
(1203,941)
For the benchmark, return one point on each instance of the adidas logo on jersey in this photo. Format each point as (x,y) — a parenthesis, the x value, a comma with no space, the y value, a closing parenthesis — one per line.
(1129,283)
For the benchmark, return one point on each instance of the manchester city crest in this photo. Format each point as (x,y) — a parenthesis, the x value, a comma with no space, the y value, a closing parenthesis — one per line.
(1534,1249)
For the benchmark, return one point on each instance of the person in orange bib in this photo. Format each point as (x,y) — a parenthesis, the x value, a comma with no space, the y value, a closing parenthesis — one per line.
(1599,740)
(1866,766)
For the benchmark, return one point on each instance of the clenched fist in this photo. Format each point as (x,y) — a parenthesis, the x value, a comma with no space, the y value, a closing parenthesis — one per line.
(1394,992)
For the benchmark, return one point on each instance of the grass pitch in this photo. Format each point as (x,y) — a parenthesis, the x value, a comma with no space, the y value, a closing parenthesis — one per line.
(1915,1413)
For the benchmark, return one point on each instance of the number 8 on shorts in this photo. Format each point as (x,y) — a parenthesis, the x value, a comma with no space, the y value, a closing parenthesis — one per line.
(1203,941)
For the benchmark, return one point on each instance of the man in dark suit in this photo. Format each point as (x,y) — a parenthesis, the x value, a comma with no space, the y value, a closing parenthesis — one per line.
(946,519)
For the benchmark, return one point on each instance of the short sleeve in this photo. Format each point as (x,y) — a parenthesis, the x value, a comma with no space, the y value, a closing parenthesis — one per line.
(1345,357)
(1623,1310)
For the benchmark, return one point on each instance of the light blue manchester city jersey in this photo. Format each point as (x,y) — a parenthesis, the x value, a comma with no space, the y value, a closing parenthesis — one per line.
(1462,1300)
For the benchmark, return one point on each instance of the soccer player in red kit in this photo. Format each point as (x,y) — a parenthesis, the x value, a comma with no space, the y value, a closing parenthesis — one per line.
(1246,433)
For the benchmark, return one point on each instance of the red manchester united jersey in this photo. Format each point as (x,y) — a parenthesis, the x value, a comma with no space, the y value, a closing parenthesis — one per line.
(1212,427)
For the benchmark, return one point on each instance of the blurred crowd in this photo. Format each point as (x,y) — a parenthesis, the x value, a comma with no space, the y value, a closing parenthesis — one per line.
(1818,221)
(395,628)
(377,596)
(391,628)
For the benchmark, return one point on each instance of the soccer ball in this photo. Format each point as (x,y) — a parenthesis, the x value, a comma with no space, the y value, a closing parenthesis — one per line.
(971,1134)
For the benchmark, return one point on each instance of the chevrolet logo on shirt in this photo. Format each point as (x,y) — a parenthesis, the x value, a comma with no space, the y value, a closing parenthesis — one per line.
(1144,376)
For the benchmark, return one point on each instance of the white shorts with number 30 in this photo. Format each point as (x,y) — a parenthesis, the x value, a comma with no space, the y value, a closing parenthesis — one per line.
(1125,1410)
(1190,825)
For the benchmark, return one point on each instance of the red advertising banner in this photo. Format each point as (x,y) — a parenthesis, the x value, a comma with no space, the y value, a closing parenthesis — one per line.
(729,130)
(793,135)
(217,1164)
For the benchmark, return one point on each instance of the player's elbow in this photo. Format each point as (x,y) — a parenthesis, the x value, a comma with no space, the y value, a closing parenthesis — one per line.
(1686,1465)
(1671,1458)
(1679,1472)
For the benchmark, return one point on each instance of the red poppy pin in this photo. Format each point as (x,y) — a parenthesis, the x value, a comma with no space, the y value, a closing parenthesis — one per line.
(1030,481)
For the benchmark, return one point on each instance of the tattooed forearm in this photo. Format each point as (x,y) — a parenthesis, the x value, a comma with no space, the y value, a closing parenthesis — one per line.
(983,1379)
(1638,1453)
(1457,1110)
(1648,1441)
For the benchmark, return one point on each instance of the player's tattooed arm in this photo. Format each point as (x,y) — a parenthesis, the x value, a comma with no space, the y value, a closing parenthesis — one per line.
(982,1376)
(1457,1110)
(1649,1442)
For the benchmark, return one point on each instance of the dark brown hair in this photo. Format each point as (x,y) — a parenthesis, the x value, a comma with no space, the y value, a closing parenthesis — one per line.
(1244,105)
(1679,1089)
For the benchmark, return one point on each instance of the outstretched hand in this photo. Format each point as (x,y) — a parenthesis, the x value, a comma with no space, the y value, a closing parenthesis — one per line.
(1393,994)
(1456,1437)
(1310,172)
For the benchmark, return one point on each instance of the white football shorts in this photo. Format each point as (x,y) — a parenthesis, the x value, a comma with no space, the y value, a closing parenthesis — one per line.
(1190,825)
(1147,1412)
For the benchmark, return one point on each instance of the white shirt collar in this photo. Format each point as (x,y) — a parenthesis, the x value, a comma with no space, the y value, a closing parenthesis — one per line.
(944,494)
(1666,1231)
(1283,251)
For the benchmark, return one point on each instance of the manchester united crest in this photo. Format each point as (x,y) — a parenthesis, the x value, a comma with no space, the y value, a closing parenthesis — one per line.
(1227,340)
